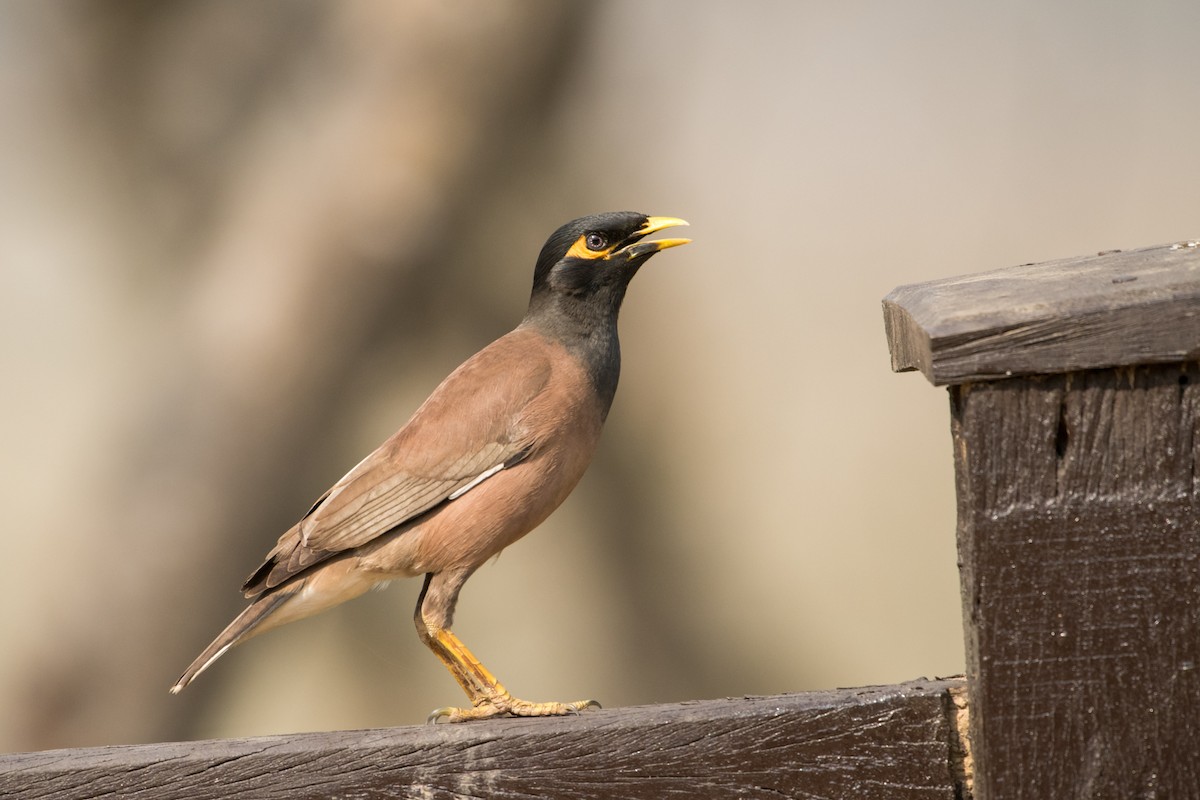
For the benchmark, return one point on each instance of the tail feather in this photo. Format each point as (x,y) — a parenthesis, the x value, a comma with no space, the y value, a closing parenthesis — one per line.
(326,585)
(243,626)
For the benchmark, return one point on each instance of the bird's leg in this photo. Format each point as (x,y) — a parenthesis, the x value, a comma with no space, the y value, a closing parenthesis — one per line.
(488,696)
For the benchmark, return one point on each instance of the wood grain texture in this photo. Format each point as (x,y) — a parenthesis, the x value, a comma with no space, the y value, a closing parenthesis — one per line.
(1112,309)
(878,742)
(1079,542)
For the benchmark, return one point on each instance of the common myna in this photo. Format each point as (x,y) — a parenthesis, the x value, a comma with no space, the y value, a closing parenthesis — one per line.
(496,448)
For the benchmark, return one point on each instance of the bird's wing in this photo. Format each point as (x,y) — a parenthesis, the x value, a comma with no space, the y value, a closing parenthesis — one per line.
(468,430)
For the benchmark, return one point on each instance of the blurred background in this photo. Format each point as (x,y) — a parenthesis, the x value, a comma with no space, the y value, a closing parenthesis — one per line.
(240,243)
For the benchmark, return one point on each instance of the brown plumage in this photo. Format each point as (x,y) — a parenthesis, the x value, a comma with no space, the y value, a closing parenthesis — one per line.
(492,452)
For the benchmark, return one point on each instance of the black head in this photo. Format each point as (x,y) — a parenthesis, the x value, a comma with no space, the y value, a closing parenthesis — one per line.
(580,281)
(597,256)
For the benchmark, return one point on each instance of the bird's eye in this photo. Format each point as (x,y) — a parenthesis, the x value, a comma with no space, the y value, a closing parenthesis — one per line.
(596,241)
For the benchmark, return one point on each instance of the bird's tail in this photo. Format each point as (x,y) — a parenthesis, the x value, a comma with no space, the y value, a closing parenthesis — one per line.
(243,626)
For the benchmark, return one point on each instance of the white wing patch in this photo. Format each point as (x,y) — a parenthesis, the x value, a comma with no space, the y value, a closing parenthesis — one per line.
(480,478)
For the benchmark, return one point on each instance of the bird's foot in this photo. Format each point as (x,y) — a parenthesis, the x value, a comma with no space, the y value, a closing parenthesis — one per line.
(506,704)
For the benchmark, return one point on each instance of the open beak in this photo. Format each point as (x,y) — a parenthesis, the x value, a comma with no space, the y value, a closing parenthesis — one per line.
(653,225)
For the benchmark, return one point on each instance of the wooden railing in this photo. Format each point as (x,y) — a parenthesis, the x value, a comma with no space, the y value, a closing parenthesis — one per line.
(891,740)
(1075,413)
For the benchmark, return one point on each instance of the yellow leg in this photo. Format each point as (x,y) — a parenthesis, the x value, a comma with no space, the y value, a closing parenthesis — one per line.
(488,696)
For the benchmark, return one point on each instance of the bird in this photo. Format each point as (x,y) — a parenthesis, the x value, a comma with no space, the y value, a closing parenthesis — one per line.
(496,448)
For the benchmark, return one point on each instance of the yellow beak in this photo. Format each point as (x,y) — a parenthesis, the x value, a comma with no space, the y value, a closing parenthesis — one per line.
(654,224)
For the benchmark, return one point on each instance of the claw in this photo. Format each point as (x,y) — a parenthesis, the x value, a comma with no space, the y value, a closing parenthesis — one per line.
(577,708)
(445,711)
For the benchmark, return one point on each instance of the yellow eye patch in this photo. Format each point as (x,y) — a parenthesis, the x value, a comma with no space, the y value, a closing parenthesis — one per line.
(581,250)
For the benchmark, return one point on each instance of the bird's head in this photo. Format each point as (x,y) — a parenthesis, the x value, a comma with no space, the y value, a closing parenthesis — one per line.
(593,256)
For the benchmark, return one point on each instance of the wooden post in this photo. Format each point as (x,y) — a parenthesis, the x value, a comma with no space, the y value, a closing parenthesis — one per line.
(1074,398)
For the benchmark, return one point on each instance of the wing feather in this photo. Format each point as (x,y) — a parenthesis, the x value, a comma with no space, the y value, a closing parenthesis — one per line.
(470,426)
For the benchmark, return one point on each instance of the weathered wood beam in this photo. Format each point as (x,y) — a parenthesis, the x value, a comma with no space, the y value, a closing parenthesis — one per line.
(1132,307)
(893,742)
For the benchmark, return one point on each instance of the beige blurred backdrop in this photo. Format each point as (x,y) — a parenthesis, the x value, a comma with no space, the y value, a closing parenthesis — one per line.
(240,242)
